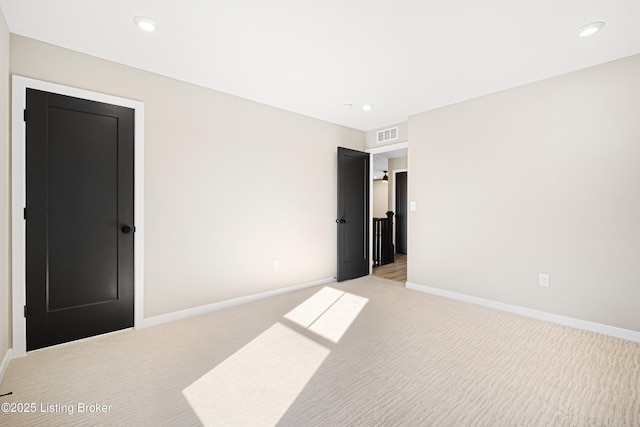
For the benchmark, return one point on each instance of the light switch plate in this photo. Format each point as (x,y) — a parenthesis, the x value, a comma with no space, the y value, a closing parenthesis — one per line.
(543,280)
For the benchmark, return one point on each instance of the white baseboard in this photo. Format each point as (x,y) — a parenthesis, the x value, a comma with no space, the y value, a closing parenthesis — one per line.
(183,314)
(536,314)
(5,363)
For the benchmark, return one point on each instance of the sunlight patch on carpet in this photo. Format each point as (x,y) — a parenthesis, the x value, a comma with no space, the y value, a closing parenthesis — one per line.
(259,382)
(336,320)
(328,313)
(311,309)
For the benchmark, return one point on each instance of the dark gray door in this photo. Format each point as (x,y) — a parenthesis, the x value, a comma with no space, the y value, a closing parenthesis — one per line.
(401,212)
(79,255)
(353,214)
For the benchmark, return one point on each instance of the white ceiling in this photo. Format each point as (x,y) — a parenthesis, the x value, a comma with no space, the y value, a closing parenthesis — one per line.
(311,56)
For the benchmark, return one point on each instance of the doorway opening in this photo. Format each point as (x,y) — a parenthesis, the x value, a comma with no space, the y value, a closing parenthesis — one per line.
(389,174)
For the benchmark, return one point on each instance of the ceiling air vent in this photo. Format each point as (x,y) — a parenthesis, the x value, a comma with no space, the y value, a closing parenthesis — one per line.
(387,135)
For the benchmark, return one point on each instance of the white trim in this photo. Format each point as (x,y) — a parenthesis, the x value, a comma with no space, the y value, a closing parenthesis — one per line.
(18,197)
(195,311)
(5,363)
(388,147)
(371,237)
(613,331)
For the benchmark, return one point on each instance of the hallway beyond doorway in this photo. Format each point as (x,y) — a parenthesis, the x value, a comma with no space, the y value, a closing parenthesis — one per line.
(396,271)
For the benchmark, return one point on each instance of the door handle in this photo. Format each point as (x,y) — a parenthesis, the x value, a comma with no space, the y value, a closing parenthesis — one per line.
(340,221)
(126,229)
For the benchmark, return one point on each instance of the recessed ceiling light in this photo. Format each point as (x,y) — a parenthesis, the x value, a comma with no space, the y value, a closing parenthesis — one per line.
(590,29)
(146,24)
(347,105)
(367,107)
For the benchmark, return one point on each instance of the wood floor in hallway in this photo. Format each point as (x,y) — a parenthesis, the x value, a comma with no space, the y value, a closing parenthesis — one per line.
(396,271)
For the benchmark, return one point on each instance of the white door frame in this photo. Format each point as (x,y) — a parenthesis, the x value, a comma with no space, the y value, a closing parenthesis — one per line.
(372,152)
(18,198)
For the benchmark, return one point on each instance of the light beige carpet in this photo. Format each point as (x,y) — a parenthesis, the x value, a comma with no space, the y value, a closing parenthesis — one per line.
(364,352)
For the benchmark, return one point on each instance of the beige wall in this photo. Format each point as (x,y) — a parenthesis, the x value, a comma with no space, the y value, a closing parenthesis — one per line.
(5,300)
(230,184)
(380,198)
(397,163)
(371,135)
(543,178)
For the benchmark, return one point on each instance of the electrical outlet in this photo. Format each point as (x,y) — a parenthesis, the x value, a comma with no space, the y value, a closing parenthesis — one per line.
(543,280)
(276,264)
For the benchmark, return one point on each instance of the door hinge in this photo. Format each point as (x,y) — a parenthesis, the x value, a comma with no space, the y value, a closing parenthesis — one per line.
(25,311)
(25,213)
(25,115)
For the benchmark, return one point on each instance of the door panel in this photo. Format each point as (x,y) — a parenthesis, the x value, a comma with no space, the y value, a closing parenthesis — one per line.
(82,209)
(401,212)
(353,214)
(79,262)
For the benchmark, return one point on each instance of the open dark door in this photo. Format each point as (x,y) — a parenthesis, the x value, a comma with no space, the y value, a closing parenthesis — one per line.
(353,214)
(401,212)
(79,233)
